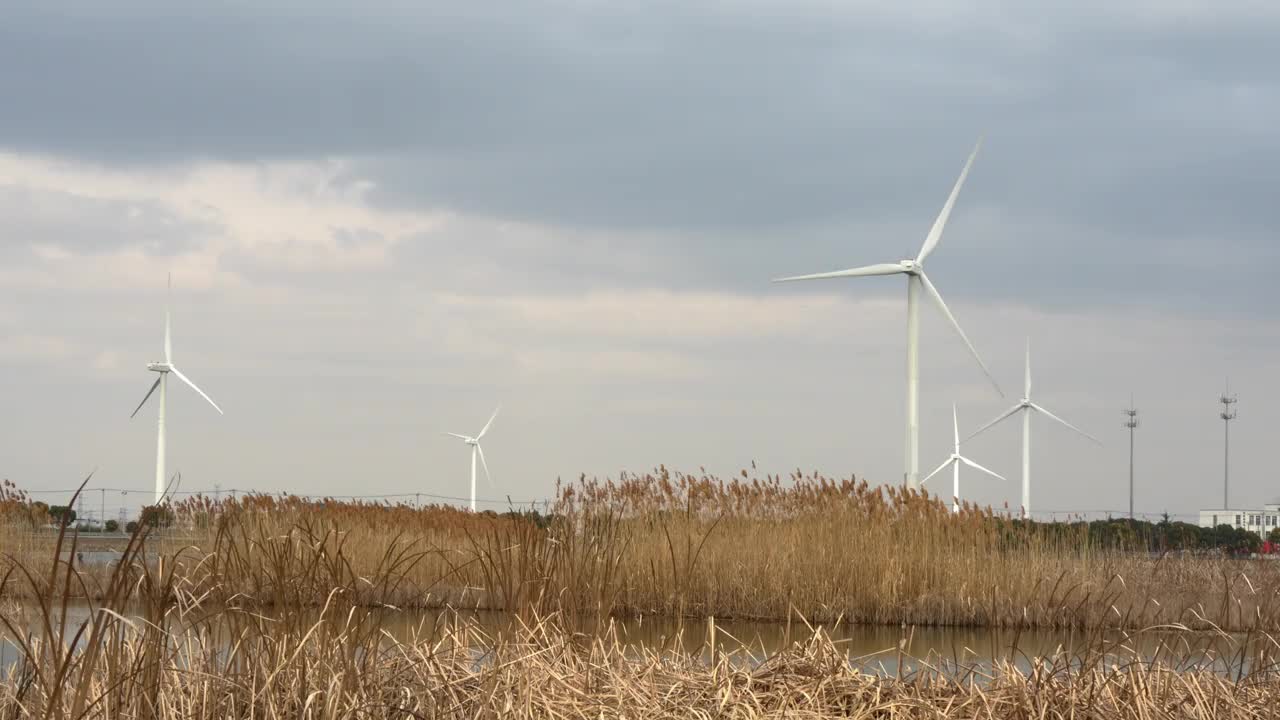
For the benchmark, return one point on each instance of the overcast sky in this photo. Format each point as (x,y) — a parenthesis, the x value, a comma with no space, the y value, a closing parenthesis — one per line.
(384,219)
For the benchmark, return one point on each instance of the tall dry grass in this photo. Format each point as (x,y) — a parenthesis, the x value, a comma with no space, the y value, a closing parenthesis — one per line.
(843,549)
(694,545)
(154,647)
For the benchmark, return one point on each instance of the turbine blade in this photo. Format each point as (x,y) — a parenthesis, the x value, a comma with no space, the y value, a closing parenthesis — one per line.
(937,298)
(935,232)
(976,466)
(998,419)
(187,380)
(955,423)
(154,385)
(168,343)
(485,429)
(1026,387)
(941,467)
(1051,416)
(460,437)
(484,464)
(867,271)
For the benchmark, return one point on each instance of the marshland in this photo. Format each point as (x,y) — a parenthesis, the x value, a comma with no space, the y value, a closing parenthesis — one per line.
(673,593)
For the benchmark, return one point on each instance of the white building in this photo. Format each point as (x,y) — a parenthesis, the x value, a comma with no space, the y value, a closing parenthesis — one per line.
(1260,521)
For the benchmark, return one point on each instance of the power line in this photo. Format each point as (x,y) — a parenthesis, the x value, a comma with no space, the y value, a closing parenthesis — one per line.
(369,496)
(1143,515)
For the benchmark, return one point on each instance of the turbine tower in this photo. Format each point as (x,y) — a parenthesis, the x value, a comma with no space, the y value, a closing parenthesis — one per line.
(917,282)
(1027,407)
(1228,414)
(474,442)
(164,368)
(954,461)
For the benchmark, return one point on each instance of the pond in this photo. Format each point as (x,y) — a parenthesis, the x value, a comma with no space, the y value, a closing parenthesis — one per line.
(868,647)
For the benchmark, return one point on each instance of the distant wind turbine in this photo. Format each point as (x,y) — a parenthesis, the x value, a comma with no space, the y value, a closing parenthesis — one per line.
(954,461)
(1026,407)
(916,280)
(164,369)
(474,442)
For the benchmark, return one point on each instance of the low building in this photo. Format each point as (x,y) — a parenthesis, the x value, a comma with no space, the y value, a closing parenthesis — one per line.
(1261,521)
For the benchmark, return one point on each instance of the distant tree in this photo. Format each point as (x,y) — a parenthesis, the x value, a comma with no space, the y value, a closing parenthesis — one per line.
(112,526)
(62,514)
(131,527)
(1274,536)
(158,516)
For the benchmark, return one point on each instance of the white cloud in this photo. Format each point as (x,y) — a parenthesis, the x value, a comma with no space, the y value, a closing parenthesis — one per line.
(668,315)
(292,217)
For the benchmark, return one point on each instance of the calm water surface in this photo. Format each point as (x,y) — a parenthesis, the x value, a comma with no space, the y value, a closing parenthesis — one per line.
(872,648)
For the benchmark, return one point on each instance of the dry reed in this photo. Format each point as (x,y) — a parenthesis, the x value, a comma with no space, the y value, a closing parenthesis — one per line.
(682,545)
(153,646)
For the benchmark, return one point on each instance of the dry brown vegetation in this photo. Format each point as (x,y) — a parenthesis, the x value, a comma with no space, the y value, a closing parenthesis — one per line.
(154,646)
(681,545)
(335,669)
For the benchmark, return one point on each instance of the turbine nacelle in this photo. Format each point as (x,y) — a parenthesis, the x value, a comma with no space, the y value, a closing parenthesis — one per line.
(160,367)
(911,267)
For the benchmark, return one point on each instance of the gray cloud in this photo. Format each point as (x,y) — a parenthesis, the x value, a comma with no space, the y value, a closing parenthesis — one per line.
(746,142)
(678,116)
(80,224)
(584,158)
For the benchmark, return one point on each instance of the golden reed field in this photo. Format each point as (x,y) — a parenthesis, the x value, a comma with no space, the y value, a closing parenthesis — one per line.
(278,608)
(697,546)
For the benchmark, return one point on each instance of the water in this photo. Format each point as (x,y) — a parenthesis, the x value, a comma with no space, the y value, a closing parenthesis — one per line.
(870,648)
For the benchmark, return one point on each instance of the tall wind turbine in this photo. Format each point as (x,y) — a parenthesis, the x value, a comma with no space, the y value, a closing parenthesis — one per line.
(1027,407)
(474,442)
(913,268)
(954,461)
(164,369)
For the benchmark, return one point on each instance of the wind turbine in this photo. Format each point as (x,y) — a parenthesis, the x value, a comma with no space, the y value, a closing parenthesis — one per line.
(916,281)
(1027,407)
(954,461)
(164,369)
(474,442)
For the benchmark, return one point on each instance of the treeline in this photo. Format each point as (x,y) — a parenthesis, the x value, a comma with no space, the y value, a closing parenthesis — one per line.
(1146,536)
(1110,534)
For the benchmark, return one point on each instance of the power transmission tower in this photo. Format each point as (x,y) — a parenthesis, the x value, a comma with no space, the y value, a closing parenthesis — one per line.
(1228,414)
(1132,424)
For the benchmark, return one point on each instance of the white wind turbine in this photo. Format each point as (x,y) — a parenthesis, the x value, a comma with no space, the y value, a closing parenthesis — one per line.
(474,442)
(164,369)
(954,461)
(1027,407)
(916,280)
